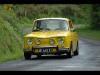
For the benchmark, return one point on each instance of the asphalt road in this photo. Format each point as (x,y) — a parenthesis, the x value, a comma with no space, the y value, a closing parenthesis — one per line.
(87,60)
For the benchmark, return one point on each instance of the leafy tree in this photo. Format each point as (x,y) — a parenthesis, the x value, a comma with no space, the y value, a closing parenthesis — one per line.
(95,22)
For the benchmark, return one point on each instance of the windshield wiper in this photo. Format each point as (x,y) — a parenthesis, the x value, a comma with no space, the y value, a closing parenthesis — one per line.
(41,29)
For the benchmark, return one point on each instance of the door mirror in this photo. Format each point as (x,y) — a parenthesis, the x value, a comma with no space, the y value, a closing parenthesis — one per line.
(73,29)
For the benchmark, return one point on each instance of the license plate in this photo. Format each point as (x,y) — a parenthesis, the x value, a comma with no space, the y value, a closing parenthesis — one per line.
(47,50)
(44,50)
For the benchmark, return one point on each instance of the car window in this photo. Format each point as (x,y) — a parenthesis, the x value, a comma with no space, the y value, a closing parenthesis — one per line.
(51,25)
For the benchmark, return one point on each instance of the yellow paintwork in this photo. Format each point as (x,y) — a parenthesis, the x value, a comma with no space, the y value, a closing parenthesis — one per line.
(45,36)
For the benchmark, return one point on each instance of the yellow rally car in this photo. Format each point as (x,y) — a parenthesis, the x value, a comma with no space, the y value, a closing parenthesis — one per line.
(51,36)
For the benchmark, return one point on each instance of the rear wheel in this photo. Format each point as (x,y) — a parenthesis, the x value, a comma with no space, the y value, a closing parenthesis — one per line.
(27,55)
(77,50)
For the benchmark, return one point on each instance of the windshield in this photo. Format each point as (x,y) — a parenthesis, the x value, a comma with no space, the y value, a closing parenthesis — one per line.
(50,25)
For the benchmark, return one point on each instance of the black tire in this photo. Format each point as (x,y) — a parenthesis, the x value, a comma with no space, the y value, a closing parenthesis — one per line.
(39,55)
(77,50)
(59,54)
(27,55)
(69,55)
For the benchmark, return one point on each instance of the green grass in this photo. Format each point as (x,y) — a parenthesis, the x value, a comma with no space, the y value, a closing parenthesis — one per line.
(25,22)
(10,42)
(11,56)
(89,33)
(11,36)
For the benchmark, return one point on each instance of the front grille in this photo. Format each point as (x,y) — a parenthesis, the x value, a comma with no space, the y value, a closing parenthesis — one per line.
(44,42)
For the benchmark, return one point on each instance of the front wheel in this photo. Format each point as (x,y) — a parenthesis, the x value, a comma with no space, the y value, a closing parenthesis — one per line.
(27,55)
(77,50)
(38,55)
(70,53)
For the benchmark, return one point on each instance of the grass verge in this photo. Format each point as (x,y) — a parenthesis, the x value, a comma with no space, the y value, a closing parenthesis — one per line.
(89,33)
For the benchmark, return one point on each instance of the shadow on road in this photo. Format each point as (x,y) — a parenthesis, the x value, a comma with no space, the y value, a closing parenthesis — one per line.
(50,57)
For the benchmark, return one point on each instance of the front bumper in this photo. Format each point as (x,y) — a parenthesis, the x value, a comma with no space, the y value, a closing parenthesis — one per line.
(58,50)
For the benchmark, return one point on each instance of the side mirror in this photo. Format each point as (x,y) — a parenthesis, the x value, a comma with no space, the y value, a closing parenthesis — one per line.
(73,29)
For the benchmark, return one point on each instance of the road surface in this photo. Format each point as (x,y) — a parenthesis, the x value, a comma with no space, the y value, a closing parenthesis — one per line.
(87,60)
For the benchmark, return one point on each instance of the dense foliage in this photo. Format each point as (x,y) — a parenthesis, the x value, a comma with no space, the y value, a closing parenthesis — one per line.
(95,14)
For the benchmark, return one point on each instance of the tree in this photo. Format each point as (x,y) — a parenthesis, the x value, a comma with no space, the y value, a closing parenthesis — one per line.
(8,7)
(95,14)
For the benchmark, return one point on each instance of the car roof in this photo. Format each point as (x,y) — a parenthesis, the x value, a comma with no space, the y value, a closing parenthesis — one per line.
(53,18)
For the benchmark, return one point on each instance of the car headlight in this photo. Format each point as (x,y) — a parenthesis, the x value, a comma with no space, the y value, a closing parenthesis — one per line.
(29,41)
(52,41)
(61,40)
(37,41)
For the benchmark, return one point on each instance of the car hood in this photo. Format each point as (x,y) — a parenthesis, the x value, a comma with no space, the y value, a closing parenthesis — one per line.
(47,34)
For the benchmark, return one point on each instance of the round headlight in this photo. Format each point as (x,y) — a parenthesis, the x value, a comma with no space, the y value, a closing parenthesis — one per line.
(29,41)
(37,41)
(52,41)
(61,40)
